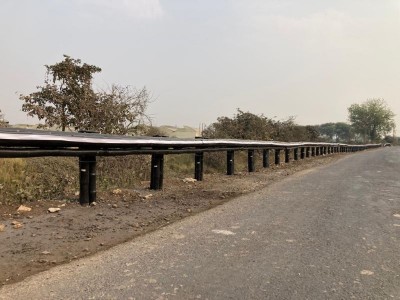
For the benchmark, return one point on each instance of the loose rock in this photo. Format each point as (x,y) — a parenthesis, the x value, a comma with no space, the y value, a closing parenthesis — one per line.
(147,197)
(18,226)
(53,209)
(117,192)
(2,227)
(24,208)
(189,180)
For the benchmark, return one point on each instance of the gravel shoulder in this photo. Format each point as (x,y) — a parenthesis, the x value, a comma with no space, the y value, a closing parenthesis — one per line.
(34,241)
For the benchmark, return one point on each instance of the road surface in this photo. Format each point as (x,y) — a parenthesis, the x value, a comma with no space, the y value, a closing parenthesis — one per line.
(329,233)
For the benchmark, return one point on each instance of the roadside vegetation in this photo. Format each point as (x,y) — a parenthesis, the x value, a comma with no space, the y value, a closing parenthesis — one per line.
(68,101)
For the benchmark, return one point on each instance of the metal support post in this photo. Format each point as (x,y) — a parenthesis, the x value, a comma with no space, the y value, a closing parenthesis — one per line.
(250,161)
(277,156)
(302,152)
(287,155)
(296,153)
(198,166)
(230,162)
(92,179)
(266,158)
(157,171)
(83,180)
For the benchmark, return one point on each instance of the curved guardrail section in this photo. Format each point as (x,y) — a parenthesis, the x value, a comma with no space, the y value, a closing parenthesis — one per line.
(85,145)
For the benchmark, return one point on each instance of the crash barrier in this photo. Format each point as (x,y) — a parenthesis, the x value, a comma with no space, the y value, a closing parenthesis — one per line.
(87,146)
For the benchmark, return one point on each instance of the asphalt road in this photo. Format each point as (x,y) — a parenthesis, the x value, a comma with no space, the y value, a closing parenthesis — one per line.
(328,233)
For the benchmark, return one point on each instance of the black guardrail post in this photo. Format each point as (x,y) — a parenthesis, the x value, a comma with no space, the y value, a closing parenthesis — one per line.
(266,158)
(250,160)
(198,166)
(83,180)
(277,156)
(287,155)
(157,171)
(308,151)
(92,179)
(296,153)
(317,151)
(303,153)
(230,162)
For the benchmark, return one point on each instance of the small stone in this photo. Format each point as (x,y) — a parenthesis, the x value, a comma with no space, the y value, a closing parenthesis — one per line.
(2,227)
(30,217)
(117,192)
(16,225)
(93,204)
(24,208)
(100,214)
(33,235)
(147,197)
(45,253)
(189,210)
(102,244)
(54,209)
(151,280)
(43,261)
(77,193)
(87,239)
(189,180)
(86,250)
(367,272)
(114,206)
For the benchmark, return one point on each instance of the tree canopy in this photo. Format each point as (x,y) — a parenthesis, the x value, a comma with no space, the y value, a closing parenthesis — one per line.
(67,100)
(335,132)
(246,125)
(371,119)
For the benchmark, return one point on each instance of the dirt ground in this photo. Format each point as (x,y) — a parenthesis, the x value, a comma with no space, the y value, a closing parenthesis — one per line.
(31,242)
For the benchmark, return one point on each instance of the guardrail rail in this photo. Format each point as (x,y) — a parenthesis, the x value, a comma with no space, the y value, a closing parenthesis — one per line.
(87,146)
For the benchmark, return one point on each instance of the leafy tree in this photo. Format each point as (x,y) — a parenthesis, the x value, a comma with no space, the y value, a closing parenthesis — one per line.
(344,132)
(121,110)
(67,100)
(328,130)
(335,132)
(66,96)
(245,125)
(371,119)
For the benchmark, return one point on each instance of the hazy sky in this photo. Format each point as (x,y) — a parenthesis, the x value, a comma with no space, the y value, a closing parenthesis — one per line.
(204,58)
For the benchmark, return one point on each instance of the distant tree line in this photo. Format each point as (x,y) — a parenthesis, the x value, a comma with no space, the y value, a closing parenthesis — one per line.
(370,121)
